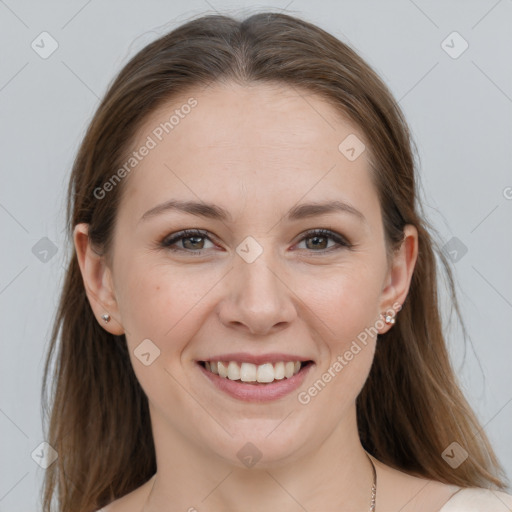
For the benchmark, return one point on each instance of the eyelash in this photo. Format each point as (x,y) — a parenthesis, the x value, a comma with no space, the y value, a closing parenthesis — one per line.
(170,240)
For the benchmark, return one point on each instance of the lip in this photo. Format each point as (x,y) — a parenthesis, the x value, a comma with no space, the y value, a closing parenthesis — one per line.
(250,392)
(245,357)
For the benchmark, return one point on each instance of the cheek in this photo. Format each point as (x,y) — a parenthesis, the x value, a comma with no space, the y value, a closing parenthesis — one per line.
(344,308)
(346,301)
(162,303)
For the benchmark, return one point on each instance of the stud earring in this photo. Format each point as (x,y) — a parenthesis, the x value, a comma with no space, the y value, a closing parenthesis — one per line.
(390,320)
(106,318)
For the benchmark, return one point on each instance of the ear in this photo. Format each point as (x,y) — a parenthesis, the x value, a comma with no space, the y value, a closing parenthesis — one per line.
(98,282)
(399,275)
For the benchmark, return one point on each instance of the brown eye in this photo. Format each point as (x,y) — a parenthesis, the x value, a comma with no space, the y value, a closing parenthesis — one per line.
(318,241)
(194,242)
(191,240)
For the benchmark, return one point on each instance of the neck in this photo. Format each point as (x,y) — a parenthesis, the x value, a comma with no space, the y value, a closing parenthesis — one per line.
(336,474)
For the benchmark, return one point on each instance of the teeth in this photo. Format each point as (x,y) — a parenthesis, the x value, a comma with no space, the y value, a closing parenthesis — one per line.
(265,373)
(223,370)
(288,369)
(248,372)
(279,371)
(233,371)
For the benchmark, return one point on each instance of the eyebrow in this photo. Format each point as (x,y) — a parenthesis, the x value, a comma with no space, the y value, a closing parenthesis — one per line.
(215,212)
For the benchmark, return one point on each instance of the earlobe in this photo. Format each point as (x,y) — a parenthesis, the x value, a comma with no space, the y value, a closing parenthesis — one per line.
(97,279)
(399,277)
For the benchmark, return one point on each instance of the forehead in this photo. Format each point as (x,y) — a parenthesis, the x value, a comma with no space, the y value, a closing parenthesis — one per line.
(264,113)
(219,141)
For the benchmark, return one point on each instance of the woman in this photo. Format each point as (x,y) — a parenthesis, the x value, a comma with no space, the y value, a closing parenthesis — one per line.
(250,318)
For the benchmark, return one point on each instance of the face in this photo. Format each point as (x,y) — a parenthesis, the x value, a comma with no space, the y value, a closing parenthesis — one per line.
(270,281)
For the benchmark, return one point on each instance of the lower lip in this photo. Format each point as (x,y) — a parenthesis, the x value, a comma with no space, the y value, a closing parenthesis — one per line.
(257,392)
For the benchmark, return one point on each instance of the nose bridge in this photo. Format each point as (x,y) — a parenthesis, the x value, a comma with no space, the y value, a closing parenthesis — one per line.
(257,282)
(260,299)
(259,279)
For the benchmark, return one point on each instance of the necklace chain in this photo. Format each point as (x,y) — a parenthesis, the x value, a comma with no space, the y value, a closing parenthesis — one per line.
(373,490)
(374,485)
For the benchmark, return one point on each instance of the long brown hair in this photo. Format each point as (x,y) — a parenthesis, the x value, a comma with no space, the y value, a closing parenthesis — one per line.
(411,407)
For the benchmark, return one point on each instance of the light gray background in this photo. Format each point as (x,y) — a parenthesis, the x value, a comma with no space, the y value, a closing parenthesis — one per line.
(459,111)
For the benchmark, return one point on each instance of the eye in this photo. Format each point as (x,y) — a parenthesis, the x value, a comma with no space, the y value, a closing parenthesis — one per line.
(319,240)
(193,240)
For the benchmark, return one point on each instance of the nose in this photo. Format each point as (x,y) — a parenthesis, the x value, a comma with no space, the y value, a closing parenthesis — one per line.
(258,300)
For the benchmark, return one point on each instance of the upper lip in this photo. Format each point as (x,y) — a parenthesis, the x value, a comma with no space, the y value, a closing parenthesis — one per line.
(245,357)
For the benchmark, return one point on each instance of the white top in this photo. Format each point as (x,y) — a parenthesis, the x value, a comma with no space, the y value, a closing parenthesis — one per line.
(474,499)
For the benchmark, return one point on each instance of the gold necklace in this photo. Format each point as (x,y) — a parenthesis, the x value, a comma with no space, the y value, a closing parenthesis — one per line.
(373,490)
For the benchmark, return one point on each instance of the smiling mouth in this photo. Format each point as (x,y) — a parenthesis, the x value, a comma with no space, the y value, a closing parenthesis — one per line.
(250,373)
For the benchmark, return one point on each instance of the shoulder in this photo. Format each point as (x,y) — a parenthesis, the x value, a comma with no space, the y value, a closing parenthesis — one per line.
(476,499)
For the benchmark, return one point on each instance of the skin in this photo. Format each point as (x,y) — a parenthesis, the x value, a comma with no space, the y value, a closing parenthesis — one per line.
(256,151)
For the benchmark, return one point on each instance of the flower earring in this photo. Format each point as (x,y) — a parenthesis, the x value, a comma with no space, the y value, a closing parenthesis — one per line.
(389,316)
(390,320)
(106,318)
